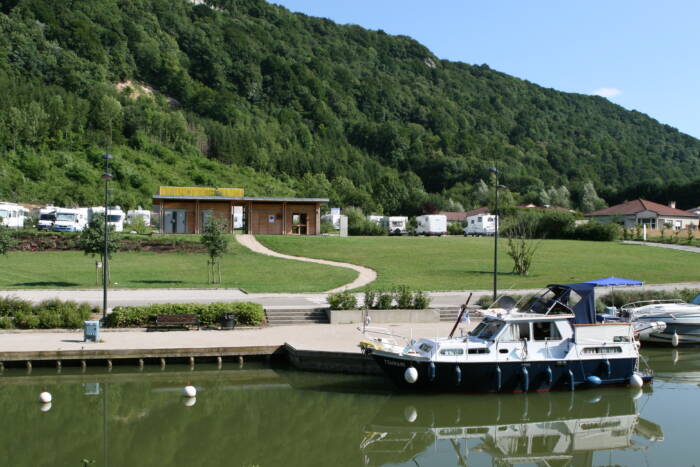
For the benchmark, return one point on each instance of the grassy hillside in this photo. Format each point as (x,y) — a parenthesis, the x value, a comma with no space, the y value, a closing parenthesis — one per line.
(245,93)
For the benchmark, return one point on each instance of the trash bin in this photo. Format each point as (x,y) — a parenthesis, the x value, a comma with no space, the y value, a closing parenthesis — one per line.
(228,321)
(91,331)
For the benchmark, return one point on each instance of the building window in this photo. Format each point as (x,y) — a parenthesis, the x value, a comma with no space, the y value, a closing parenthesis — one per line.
(650,223)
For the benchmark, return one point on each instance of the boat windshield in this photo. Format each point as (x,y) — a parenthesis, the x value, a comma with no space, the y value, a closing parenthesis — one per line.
(487,329)
(550,302)
(696,300)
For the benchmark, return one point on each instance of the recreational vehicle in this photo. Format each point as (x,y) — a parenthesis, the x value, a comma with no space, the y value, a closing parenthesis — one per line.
(70,220)
(133,214)
(47,216)
(115,216)
(481,224)
(395,225)
(434,224)
(12,215)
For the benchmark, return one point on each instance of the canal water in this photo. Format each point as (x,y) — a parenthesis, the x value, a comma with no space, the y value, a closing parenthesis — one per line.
(258,416)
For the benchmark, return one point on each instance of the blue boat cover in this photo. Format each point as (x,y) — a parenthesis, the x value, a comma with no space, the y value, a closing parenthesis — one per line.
(613,281)
(584,310)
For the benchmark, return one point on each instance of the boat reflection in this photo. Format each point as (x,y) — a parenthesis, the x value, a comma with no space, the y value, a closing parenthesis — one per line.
(675,365)
(544,429)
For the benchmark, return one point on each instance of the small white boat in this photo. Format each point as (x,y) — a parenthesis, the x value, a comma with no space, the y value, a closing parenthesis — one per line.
(682,320)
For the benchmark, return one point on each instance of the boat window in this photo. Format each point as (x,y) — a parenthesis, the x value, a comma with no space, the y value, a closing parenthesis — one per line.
(452,352)
(425,347)
(600,350)
(695,301)
(487,329)
(621,339)
(517,331)
(545,331)
(479,350)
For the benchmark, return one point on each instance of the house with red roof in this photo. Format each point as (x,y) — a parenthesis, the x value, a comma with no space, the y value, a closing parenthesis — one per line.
(643,212)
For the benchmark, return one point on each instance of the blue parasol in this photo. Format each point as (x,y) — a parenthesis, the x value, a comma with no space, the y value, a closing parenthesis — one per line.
(613,281)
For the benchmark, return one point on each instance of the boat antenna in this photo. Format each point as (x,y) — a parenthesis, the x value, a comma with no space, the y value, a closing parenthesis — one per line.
(462,310)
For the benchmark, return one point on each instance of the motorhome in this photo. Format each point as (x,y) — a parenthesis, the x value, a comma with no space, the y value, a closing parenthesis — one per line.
(376,219)
(395,225)
(432,224)
(47,216)
(481,224)
(115,216)
(12,215)
(70,220)
(133,214)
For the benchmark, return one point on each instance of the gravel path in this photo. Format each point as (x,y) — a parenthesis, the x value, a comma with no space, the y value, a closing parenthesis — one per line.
(692,249)
(365,275)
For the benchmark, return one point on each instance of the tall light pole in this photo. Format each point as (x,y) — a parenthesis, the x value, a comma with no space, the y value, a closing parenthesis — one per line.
(106,176)
(498,187)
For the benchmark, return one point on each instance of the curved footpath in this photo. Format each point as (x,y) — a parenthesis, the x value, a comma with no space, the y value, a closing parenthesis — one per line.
(365,275)
(670,246)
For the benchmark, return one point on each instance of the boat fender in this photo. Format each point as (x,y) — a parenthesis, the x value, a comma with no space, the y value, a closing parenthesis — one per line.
(550,376)
(45,397)
(458,375)
(499,377)
(526,380)
(410,375)
(410,414)
(674,340)
(431,371)
(636,381)
(571,380)
(594,380)
(607,368)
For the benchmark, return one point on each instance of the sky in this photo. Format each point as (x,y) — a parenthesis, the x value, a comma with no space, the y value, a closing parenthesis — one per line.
(641,54)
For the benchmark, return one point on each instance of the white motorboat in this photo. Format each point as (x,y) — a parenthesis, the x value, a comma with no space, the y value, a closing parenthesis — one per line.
(682,320)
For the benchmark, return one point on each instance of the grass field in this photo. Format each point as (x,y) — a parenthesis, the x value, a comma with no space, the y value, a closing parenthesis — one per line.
(459,263)
(240,268)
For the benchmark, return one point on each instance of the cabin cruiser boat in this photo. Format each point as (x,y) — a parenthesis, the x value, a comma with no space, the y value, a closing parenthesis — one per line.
(682,320)
(552,342)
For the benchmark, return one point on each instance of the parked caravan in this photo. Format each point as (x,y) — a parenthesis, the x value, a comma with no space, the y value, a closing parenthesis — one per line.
(433,224)
(12,215)
(481,224)
(115,216)
(133,214)
(47,216)
(376,219)
(395,225)
(70,220)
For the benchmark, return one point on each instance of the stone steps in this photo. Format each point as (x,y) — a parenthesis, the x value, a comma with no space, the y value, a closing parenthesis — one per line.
(282,317)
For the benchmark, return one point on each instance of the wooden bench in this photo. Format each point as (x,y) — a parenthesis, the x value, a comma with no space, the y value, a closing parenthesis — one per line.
(175,321)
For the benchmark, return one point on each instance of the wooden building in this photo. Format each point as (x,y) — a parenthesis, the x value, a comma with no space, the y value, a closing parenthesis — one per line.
(186,210)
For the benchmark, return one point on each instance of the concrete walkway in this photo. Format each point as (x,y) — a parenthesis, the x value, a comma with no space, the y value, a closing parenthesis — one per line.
(365,275)
(670,246)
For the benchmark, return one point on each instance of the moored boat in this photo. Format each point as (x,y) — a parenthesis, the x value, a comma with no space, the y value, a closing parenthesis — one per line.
(682,320)
(552,342)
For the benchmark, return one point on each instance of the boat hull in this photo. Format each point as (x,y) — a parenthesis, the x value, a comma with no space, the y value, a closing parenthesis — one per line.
(688,332)
(506,376)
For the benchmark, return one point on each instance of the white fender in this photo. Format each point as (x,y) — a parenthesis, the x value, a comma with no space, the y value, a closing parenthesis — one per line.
(674,339)
(636,381)
(189,391)
(410,375)
(410,414)
(45,397)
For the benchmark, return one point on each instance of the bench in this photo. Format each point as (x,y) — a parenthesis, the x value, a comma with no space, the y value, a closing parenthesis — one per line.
(176,321)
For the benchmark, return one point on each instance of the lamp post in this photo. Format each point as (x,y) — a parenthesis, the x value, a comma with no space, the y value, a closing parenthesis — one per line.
(494,171)
(106,176)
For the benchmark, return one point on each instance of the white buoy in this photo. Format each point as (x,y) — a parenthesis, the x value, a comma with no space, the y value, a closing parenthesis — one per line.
(189,401)
(636,381)
(45,397)
(45,407)
(410,414)
(410,375)
(674,339)
(189,391)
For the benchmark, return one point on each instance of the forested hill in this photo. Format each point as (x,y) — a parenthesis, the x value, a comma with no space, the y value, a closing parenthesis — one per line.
(246,93)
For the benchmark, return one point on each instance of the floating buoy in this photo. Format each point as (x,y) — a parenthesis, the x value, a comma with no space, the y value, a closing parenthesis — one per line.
(189,391)
(410,414)
(636,381)
(526,380)
(458,375)
(550,376)
(594,380)
(45,397)
(45,407)
(189,401)
(431,371)
(410,375)
(674,340)
(499,377)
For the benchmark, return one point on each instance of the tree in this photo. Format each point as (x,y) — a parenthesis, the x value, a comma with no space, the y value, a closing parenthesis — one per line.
(92,239)
(521,245)
(6,240)
(590,200)
(216,243)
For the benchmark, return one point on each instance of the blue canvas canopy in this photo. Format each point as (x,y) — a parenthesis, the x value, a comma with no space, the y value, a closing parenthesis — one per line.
(613,281)
(584,310)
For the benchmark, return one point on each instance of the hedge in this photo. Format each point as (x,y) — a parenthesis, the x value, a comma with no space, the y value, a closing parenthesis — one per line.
(49,314)
(401,297)
(246,313)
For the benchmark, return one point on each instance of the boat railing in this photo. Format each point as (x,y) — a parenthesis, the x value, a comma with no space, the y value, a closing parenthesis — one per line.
(642,303)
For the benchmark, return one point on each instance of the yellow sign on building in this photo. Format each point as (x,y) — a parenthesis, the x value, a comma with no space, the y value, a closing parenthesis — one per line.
(200,191)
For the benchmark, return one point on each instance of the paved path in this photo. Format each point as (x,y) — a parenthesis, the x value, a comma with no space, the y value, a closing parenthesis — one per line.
(365,275)
(670,246)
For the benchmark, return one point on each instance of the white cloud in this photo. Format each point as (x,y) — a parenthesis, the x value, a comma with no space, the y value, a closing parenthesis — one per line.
(606,92)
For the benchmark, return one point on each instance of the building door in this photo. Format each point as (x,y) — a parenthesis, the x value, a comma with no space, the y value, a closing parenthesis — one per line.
(300,224)
(175,221)
(206,215)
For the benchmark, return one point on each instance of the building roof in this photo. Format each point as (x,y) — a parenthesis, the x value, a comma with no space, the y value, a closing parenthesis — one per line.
(462,216)
(545,207)
(240,198)
(639,205)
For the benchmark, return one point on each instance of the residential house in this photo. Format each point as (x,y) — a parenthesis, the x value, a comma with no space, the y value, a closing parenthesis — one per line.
(649,213)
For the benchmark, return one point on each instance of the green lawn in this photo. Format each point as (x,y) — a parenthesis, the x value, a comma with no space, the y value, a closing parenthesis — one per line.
(458,263)
(240,268)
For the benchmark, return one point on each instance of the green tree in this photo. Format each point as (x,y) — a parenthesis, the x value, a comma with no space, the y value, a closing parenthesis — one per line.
(6,240)
(92,241)
(215,241)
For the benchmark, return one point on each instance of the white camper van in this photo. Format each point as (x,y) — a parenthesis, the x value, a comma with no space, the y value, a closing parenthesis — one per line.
(433,224)
(70,220)
(376,219)
(481,224)
(133,214)
(47,216)
(115,216)
(12,215)
(395,225)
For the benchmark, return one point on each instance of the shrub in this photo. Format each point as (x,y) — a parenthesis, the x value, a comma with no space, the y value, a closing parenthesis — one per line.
(619,298)
(248,313)
(11,306)
(342,301)
(27,321)
(455,228)
(209,314)
(421,301)
(597,231)
(403,297)
(6,322)
(384,301)
(370,298)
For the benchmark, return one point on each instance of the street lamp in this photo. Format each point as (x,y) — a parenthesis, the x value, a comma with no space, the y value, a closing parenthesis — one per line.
(494,171)
(106,176)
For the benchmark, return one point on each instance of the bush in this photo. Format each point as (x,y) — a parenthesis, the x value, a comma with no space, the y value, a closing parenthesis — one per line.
(342,301)
(620,297)
(384,301)
(246,313)
(403,297)
(370,298)
(6,322)
(12,306)
(50,319)
(421,301)
(455,228)
(48,314)
(597,231)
